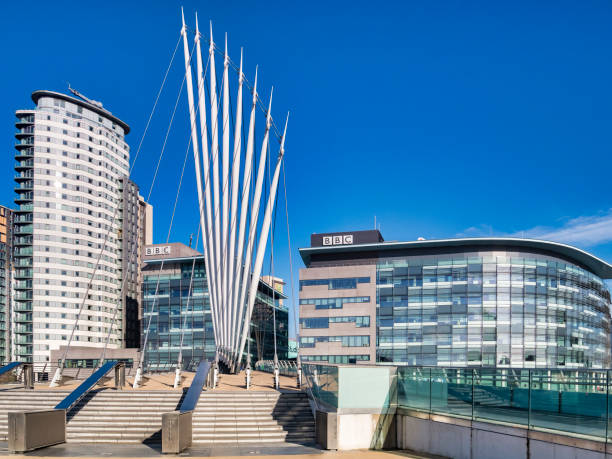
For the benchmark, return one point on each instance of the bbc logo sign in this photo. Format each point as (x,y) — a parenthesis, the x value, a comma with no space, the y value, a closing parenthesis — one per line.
(346,239)
(157,250)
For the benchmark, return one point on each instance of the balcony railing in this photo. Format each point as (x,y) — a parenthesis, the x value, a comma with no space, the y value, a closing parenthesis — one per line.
(25,175)
(23,339)
(25,229)
(24,263)
(24,186)
(21,285)
(27,295)
(28,163)
(20,273)
(23,197)
(25,119)
(25,208)
(26,141)
(27,218)
(24,152)
(23,240)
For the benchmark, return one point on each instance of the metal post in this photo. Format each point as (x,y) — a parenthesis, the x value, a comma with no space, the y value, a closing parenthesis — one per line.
(473,373)
(607,404)
(120,376)
(529,400)
(276,372)
(177,377)
(28,376)
(248,371)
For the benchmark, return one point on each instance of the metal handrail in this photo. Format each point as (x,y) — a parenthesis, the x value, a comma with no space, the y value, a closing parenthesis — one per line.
(9,367)
(195,389)
(309,388)
(84,388)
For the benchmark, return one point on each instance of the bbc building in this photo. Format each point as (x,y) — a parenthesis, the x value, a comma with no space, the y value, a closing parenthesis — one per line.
(176,311)
(477,302)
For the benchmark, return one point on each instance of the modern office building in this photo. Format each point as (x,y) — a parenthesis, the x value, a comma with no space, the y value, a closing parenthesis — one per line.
(73,203)
(6,274)
(495,302)
(178,308)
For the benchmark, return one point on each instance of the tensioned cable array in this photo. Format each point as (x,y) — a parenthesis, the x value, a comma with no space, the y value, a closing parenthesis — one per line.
(58,374)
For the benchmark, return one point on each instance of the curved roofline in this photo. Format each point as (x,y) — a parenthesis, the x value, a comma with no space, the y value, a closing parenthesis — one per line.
(596,265)
(100,111)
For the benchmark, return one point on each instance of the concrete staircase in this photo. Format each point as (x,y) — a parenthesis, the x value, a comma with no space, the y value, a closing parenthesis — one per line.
(25,400)
(253,417)
(112,416)
(103,416)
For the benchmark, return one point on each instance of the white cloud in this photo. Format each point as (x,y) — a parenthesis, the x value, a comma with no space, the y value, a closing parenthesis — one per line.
(586,231)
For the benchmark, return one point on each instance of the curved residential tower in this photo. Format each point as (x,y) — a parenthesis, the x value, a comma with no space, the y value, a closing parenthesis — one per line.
(72,163)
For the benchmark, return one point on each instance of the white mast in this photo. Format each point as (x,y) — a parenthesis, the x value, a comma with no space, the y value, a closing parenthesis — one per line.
(225,185)
(263,238)
(214,137)
(261,169)
(234,207)
(207,239)
(244,207)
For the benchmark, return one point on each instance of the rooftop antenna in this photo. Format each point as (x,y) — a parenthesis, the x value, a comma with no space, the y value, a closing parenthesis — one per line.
(190,239)
(83,97)
(374,221)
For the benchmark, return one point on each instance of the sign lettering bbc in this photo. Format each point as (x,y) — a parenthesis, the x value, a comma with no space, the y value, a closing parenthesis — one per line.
(165,250)
(345,239)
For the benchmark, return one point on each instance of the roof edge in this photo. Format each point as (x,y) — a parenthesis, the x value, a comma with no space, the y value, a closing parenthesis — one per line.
(596,265)
(100,111)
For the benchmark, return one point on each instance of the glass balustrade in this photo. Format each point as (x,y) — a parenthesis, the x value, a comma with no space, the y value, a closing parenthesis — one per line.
(574,402)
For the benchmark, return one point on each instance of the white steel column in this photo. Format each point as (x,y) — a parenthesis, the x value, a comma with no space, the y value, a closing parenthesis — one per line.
(234,208)
(244,208)
(263,238)
(225,189)
(214,140)
(261,169)
(207,239)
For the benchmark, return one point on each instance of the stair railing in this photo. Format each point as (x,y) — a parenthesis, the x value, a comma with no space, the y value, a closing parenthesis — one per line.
(195,389)
(83,389)
(25,432)
(177,425)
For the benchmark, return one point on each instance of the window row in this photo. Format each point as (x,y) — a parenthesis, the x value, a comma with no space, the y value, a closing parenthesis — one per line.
(333,303)
(336,283)
(336,358)
(323,322)
(347,341)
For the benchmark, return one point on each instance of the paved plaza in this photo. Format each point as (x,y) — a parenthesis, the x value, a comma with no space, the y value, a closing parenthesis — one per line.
(261,451)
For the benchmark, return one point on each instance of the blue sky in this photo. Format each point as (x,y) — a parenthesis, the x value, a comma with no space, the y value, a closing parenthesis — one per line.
(440,118)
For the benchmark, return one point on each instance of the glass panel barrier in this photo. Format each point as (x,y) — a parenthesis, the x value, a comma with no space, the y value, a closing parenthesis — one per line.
(323,382)
(572,401)
(451,391)
(414,388)
(502,395)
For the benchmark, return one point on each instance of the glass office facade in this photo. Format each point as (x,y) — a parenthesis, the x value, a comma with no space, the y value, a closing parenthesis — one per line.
(177,311)
(497,309)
